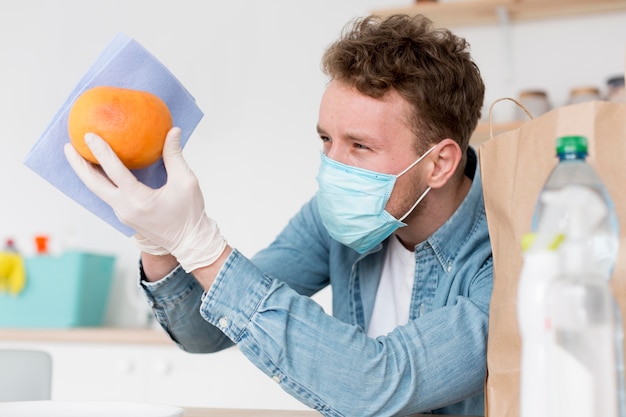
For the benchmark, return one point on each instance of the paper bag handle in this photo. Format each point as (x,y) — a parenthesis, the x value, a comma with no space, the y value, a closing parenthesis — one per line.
(520,105)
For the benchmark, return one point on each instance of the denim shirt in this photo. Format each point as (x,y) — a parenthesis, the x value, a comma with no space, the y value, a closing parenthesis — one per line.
(434,363)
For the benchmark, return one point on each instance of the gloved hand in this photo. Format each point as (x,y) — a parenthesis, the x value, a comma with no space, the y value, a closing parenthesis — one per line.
(169,219)
(146,246)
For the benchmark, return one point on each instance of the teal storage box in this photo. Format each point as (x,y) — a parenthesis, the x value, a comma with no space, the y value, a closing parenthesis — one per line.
(70,290)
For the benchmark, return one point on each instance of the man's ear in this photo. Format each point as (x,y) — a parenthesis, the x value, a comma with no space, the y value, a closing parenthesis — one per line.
(447,157)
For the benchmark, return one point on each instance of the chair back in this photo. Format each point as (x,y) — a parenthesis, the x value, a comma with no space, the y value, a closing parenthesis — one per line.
(25,375)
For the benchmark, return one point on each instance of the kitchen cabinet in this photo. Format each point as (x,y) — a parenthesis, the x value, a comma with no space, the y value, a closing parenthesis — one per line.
(143,365)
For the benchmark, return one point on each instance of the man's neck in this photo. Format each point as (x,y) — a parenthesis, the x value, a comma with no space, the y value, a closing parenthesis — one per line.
(438,206)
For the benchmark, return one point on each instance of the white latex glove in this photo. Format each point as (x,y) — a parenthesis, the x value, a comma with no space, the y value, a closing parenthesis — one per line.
(145,245)
(169,219)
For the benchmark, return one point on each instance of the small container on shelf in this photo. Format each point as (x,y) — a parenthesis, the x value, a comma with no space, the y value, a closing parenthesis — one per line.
(582,94)
(41,244)
(615,89)
(535,101)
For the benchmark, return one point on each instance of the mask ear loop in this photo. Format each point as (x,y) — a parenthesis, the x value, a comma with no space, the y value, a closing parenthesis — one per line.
(417,161)
(421,197)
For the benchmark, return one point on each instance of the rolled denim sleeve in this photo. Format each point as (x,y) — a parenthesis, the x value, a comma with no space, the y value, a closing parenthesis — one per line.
(333,366)
(175,301)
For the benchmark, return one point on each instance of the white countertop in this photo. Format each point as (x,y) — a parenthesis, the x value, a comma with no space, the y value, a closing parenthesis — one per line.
(87,335)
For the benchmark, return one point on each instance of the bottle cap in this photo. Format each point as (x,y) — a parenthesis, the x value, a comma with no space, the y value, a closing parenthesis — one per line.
(571,145)
(533,93)
(617,81)
(41,244)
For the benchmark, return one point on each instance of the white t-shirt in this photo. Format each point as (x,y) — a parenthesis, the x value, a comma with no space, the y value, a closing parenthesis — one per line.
(393,297)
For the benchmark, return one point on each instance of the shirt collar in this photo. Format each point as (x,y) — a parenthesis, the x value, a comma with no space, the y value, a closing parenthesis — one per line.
(447,241)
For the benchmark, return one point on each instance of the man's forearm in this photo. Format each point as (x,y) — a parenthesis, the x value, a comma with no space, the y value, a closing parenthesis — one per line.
(207,274)
(156,267)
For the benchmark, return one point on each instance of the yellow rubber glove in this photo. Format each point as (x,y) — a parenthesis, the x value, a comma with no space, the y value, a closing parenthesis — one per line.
(12,273)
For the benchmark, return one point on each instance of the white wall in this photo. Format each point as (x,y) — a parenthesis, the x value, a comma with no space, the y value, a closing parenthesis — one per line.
(253,67)
(553,55)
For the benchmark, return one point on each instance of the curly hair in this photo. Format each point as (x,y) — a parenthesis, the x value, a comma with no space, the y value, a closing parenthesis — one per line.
(430,67)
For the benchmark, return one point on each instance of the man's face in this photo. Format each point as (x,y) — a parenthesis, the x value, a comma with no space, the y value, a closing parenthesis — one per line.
(373,134)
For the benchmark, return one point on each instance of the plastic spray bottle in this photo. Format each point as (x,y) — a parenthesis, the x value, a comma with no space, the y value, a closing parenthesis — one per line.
(569,322)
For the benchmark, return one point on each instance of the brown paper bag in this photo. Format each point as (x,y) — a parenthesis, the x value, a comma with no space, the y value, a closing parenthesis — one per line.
(514,167)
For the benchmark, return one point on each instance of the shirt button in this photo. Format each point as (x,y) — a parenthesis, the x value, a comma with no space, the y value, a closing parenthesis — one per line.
(449,267)
(276,379)
(421,309)
(223,322)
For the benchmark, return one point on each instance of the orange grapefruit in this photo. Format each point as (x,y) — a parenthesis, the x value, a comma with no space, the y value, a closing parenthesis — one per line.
(133,122)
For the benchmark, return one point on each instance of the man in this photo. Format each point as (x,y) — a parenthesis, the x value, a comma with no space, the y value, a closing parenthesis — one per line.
(397,228)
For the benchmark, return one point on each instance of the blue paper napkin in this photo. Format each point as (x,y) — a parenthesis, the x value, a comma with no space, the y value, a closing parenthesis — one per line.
(124,63)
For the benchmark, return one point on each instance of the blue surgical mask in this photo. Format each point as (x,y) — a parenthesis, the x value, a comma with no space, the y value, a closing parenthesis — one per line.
(352,202)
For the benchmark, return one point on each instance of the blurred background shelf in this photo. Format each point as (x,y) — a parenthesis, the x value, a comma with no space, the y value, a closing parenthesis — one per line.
(87,335)
(480,12)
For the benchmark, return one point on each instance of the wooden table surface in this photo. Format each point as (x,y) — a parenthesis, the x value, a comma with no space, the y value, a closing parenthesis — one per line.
(223,412)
